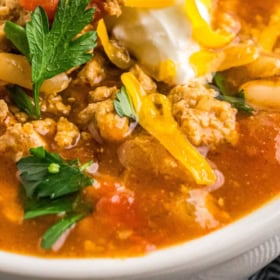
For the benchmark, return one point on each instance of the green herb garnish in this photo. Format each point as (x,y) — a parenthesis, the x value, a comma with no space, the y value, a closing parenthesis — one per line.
(37,208)
(123,105)
(22,100)
(236,100)
(17,35)
(56,50)
(53,233)
(53,186)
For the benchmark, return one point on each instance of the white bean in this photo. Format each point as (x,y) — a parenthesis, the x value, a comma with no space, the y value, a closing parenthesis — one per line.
(263,94)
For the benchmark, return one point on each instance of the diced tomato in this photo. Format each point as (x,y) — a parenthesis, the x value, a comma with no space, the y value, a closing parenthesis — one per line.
(115,203)
(99,8)
(49,6)
(118,208)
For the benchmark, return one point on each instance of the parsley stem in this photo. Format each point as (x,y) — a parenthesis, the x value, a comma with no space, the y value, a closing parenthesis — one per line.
(36,89)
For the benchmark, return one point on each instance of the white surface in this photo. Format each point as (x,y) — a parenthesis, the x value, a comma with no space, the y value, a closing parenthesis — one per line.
(248,244)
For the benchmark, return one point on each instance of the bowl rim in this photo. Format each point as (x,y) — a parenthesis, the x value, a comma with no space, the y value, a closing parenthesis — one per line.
(192,256)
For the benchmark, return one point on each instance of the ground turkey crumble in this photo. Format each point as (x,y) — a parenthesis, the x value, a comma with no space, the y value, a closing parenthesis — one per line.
(204,119)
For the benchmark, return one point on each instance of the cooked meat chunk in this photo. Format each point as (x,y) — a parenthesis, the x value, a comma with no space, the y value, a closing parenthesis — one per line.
(113,7)
(4,110)
(146,82)
(204,119)
(144,153)
(19,115)
(101,93)
(93,72)
(18,139)
(67,134)
(11,10)
(45,127)
(102,118)
(111,126)
(53,103)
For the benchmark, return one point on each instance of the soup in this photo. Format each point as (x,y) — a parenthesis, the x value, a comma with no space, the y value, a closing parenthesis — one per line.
(174,138)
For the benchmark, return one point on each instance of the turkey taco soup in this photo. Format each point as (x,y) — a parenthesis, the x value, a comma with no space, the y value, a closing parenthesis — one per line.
(128,126)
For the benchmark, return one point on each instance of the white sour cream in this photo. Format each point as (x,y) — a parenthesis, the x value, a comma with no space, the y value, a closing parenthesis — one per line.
(153,36)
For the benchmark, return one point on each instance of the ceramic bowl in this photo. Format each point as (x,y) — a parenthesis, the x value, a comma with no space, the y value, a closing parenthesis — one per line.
(233,252)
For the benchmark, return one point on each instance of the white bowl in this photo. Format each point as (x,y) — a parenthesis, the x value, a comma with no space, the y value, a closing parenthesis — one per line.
(233,252)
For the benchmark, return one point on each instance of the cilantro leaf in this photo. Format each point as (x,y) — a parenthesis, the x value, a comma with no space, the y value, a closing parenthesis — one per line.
(22,100)
(123,105)
(236,100)
(53,186)
(54,50)
(53,233)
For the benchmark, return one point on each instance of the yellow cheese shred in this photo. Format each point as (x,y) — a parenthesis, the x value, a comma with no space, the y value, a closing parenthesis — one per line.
(205,61)
(116,54)
(202,31)
(167,71)
(154,115)
(156,4)
(271,32)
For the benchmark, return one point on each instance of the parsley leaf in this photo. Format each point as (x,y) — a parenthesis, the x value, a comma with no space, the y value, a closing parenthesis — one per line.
(38,181)
(35,208)
(53,233)
(237,100)
(17,35)
(56,50)
(53,186)
(124,106)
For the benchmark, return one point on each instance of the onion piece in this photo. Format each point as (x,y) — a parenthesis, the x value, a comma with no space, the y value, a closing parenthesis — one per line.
(220,180)
(61,240)
(15,69)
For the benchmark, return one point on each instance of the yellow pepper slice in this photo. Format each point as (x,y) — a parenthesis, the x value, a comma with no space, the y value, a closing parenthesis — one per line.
(117,55)
(202,31)
(161,125)
(167,71)
(271,33)
(156,4)
(205,61)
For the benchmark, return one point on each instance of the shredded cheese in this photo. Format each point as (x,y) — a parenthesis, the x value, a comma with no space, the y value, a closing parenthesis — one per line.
(149,4)
(161,125)
(202,31)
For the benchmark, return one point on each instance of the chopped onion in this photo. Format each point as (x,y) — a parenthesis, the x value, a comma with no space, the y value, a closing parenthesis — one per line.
(61,240)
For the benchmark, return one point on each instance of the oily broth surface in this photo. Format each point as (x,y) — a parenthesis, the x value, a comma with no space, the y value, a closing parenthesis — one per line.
(250,169)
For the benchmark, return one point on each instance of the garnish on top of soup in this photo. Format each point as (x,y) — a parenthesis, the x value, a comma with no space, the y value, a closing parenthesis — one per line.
(127,126)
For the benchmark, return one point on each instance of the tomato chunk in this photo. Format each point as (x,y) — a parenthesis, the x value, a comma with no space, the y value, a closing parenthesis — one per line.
(99,8)
(49,6)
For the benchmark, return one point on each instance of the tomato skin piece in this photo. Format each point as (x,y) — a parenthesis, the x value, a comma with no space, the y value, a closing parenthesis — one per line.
(49,6)
(99,9)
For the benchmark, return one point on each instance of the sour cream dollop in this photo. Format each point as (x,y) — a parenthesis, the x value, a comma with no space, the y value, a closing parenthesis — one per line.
(155,36)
